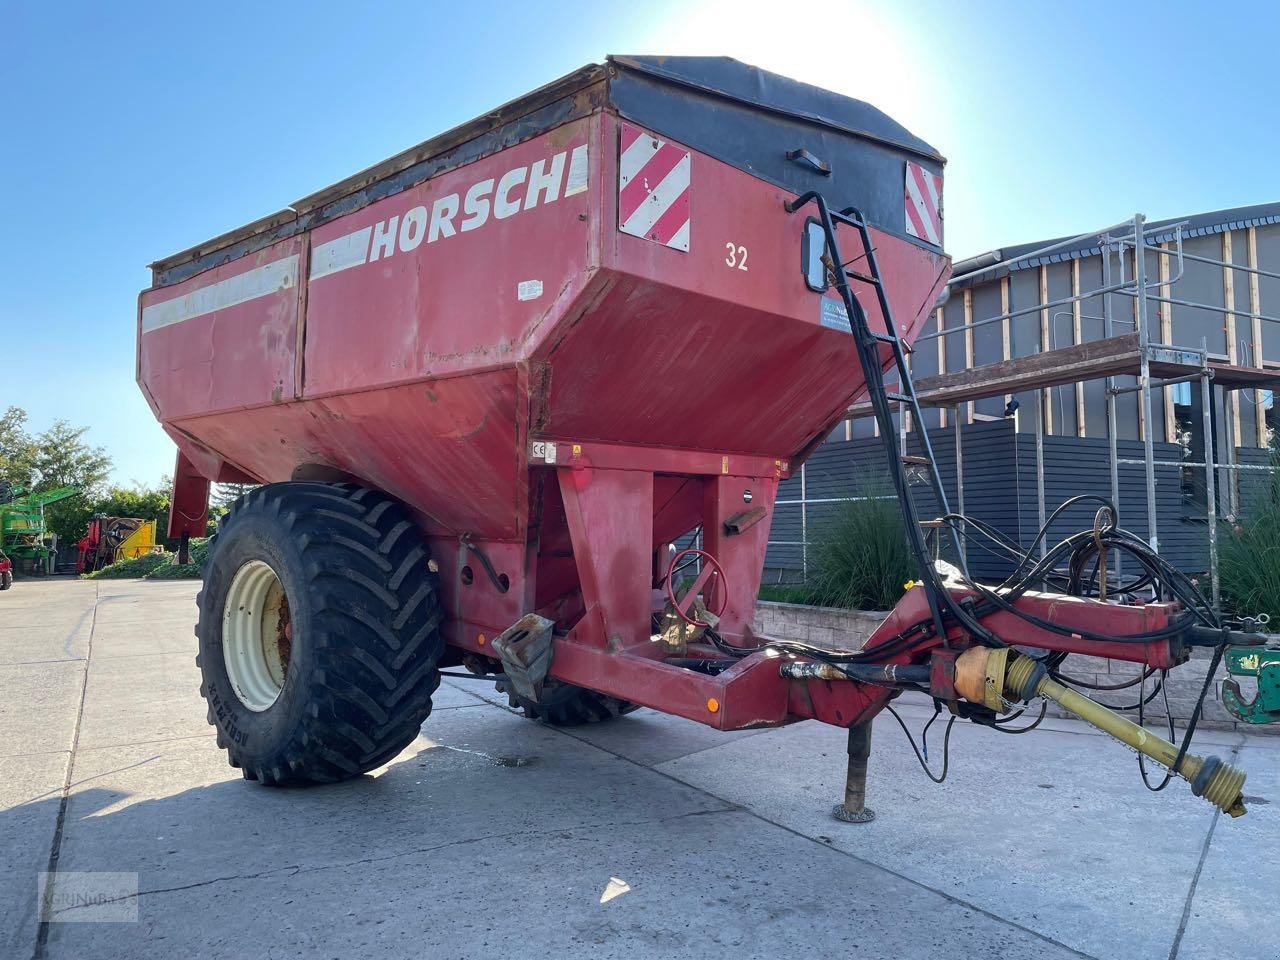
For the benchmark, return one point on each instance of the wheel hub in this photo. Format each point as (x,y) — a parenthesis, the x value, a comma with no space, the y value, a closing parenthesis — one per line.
(257,635)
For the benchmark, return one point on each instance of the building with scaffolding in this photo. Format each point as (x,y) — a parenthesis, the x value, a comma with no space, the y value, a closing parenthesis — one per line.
(1137,362)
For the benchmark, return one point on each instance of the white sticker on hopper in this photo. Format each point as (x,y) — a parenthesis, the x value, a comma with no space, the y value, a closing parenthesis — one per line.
(529,289)
(577,180)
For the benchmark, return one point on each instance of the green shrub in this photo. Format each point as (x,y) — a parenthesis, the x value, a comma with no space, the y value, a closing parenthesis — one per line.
(184,571)
(125,569)
(786,593)
(156,566)
(861,558)
(1249,558)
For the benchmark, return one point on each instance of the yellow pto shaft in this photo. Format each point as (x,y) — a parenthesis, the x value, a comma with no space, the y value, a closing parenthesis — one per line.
(982,677)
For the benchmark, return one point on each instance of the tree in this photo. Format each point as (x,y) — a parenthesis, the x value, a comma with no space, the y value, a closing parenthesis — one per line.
(224,495)
(221,498)
(17,450)
(62,459)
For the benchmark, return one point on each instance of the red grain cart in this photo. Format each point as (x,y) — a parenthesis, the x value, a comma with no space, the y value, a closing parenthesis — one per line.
(488,383)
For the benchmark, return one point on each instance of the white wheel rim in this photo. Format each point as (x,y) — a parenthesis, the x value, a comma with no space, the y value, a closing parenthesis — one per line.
(256,635)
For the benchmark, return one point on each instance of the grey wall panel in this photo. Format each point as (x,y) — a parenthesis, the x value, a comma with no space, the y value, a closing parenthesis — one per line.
(1024,290)
(924,363)
(1061,334)
(1092,328)
(1201,282)
(1248,419)
(1077,466)
(1240,282)
(953,318)
(1268,239)
(988,341)
(1122,318)
(1253,483)
(1155,328)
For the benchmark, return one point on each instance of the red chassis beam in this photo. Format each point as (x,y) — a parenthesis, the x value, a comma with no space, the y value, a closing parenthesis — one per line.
(753,693)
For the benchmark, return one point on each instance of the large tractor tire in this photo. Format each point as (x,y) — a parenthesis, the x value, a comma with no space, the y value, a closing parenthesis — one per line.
(6,579)
(319,632)
(564,705)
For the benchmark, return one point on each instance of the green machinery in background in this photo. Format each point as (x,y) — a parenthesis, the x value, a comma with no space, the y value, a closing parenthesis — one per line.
(1262,663)
(22,529)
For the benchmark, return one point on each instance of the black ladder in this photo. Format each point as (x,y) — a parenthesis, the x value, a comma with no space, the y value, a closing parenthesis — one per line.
(868,343)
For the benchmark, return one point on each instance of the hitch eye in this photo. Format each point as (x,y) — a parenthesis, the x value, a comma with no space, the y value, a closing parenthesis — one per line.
(813,250)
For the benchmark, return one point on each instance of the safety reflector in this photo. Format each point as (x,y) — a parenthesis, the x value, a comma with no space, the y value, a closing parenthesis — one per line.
(653,189)
(923,201)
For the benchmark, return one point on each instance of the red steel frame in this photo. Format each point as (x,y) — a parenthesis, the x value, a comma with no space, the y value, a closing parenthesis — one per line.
(610,649)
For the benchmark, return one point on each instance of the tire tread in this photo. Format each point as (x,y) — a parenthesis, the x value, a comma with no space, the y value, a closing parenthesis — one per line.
(375,631)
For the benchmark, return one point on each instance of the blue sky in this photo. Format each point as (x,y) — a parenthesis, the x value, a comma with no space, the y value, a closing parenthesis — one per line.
(131,131)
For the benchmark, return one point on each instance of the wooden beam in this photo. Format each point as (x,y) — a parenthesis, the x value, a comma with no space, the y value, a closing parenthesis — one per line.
(1137,397)
(1047,397)
(1091,360)
(1229,301)
(1255,307)
(942,360)
(968,340)
(1006,330)
(1077,336)
(1166,336)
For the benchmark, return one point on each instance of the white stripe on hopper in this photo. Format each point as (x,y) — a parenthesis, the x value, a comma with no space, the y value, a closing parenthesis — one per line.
(258,282)
(349,250)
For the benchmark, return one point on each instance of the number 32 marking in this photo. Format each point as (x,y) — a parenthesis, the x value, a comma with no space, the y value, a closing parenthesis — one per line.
(737,256)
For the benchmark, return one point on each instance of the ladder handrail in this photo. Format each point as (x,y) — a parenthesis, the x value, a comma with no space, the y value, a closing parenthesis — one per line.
(866,342)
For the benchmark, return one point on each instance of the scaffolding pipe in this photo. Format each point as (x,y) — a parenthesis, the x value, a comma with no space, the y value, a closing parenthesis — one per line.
(1210,486)
(1113,441)
(1199,463)
(1044,541)
(1034,308)
(961,561)
(1157,384)
(1095,235)
(1179,302)
(804,525)
(1233,266)
(1144,375)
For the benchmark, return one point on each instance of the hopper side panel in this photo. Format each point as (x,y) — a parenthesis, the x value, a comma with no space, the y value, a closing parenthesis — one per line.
(224,339)
(448,447)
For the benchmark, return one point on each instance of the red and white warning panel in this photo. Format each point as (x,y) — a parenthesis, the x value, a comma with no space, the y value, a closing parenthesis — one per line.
(653,188)
(923,199)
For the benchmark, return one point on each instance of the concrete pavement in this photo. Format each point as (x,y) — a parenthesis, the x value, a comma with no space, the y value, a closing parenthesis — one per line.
(649,836)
